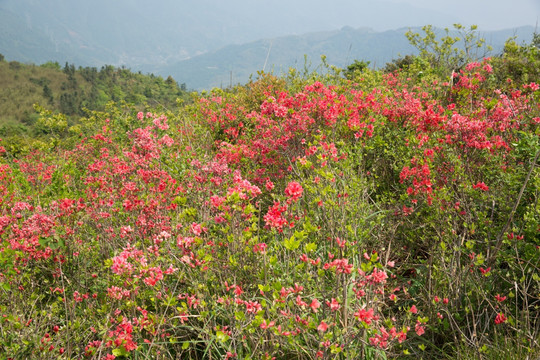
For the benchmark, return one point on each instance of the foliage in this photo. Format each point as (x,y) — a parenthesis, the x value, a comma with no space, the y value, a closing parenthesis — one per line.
(307,217)
(518,64)
(400,63)
(356,66)
(449,53)
(72,91)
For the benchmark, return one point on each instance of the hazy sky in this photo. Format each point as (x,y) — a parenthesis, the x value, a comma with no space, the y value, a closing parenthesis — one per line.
(153,34)
(487,14)
(177,29)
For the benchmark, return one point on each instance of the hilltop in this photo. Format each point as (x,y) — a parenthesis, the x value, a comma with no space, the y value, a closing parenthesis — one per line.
(74,91)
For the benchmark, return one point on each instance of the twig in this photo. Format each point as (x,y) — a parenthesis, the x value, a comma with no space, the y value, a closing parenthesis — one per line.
(512,213)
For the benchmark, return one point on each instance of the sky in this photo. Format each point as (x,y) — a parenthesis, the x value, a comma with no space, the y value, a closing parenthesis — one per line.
(487,14)
(172,30)
(152,35)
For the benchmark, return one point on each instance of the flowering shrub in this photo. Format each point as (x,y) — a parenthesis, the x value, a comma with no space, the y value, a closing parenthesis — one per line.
(317,220)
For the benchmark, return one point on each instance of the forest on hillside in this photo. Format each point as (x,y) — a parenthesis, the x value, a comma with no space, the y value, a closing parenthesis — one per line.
(73,92)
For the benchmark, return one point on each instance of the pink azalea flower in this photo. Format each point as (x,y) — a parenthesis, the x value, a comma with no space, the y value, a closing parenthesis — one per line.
(322,326)
(294,190)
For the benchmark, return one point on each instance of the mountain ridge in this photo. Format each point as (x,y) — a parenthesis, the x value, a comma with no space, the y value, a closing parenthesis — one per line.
(206,43)
(136,33)
(340,47)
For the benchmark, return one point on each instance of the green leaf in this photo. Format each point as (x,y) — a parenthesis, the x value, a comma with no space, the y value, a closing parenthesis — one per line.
(479,260)
(446,325)
(180,200)
(44,241)
(366,267)
(308,227)
(221,336)
(310,247)
(300,235)
(120,352)
(335,349)
(239,315)
(292,243)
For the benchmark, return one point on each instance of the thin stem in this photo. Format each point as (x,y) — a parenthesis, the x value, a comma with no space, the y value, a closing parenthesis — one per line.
(514,209)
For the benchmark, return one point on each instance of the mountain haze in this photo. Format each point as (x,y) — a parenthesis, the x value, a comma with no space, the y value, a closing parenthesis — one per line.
(201,41)
(235,63)
(137,32)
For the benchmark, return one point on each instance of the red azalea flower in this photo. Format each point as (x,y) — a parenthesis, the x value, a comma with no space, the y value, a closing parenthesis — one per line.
(500,318)
(294,190)
(322,326)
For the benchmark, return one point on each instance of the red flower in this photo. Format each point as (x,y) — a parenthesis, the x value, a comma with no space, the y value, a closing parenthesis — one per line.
(273,217)
(197,229)
(419,329)
(315,305)
(365,315)
(377,277)
(334,304)
(267,325)
(481,186)
(269,185)
(486,271)
(500,318)
(322,326)
(294,190)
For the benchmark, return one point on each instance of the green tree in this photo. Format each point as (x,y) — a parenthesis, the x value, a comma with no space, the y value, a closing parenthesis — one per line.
(356,67)
(451,51)
(69,70)
(48,94)
(400,63)
(518,63)
(170,82)
(51,65)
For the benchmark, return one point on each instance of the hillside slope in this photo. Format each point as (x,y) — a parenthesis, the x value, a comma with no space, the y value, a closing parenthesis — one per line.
(70,90)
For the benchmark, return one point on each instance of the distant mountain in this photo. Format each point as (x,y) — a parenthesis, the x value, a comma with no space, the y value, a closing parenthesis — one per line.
(139,33)
(235,63)
(203,42)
